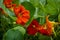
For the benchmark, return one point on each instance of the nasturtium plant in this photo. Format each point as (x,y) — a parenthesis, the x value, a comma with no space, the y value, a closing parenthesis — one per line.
(29,19)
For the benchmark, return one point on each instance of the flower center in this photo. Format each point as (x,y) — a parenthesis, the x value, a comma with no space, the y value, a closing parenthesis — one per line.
(20,14)
(33,26)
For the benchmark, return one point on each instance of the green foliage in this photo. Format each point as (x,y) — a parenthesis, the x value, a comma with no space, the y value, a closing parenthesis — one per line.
(42,16)
(6,10)
(17,2)
(1,2)
(43,37)
(35,2)
(13,35)
(57,30)
(20,28)
(51,10)
(5,24)
(59,17)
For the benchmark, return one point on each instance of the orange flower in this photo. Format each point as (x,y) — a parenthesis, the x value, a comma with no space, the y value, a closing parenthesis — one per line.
(8,3)
(22,15)
(47,29)
(49,25)
(19,9)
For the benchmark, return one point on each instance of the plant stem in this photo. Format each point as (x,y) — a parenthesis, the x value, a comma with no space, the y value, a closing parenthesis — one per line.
(51,38)
(43,7)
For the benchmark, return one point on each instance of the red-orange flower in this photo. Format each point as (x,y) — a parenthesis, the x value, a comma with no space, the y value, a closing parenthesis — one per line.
(22,15)
(44,31)
(35,27)
(49,25)
(31,29)
(8,3)
(47,29)
(18,10)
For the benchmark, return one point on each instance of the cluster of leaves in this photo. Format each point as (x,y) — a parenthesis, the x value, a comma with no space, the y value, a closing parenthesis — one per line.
(39,9)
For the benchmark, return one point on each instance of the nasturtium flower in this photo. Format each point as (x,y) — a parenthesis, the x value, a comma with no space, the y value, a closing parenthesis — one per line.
(44,31)
(22,15)
(31,29)
(47,29)
(18,10)
(8,3)
(35,27)
(50,25)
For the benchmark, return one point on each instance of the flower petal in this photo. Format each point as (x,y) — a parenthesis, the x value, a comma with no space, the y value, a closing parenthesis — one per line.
(24,19)
(18,21)
(31,31)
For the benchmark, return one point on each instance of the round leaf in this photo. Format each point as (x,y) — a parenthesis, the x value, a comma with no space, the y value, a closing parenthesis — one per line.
(13,35)
(21,29)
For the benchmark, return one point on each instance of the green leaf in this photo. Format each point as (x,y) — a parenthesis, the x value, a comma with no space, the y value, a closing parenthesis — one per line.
(35,2)
(51,10)
(8,12)
(43,37)
(41,16)
(20,28)
(13,35)
(58,3)
(1,2)
(53,17)
(52,2)
(59,17)
(31,8)
(58,36)
(16,2)
(20,1)
(43,2)
(57,30)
